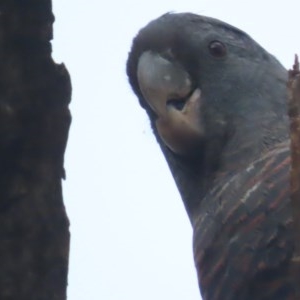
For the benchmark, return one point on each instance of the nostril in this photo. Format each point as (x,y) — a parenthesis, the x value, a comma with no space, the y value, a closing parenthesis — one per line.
(177,103)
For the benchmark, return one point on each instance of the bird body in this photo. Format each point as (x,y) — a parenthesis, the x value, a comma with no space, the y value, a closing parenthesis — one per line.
(217,105)
(243,232)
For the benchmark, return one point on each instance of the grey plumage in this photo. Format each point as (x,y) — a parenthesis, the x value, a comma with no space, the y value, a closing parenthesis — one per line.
(234,182)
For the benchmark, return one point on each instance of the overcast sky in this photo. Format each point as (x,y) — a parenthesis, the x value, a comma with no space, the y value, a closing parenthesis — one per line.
(131,238)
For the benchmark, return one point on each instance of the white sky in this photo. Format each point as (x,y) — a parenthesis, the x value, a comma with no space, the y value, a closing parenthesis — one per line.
(131,238)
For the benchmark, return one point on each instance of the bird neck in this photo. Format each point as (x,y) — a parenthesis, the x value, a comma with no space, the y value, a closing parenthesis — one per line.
(194,178)
(252,138)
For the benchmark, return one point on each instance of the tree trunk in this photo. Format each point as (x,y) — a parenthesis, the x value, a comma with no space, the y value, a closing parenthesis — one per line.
(294,115)
(34,123)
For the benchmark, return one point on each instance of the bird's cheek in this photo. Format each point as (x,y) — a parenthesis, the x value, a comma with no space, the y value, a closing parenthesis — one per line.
(182,130)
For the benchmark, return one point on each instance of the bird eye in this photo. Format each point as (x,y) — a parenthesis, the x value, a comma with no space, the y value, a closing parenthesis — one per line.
(217,49)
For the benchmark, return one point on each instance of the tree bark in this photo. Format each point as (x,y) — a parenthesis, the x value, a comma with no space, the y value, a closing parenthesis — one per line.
(34,123)
(294,116)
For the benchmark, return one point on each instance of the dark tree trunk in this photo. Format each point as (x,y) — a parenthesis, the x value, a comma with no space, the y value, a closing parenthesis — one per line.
(34,123)
(294,115)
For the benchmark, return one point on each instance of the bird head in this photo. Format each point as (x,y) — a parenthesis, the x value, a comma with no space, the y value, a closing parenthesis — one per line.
(202,81)
(215,98)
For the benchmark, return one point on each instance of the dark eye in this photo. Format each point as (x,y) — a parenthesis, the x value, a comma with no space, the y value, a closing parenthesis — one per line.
(217,49)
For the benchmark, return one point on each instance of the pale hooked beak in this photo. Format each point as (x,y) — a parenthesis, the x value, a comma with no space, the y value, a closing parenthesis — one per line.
(168,90)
